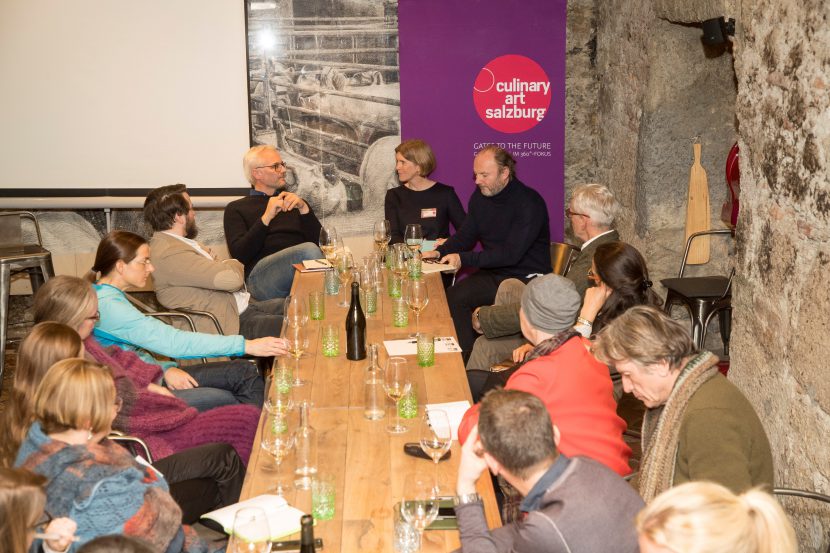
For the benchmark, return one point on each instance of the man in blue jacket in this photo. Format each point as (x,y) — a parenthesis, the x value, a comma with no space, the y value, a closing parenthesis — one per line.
(510,220)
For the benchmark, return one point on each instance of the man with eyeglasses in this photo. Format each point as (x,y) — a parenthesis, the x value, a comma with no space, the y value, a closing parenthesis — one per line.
(271,229)
(591,212)
(190,276)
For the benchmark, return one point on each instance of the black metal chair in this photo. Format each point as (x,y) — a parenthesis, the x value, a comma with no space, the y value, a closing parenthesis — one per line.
(16,256)
(133,443)
(804,494)
(703,296)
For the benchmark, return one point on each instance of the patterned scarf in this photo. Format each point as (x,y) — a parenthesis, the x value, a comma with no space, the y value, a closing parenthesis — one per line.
(661,426)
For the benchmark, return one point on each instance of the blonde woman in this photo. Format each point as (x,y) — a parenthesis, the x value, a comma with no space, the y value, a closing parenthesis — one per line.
(91,480)
(703,517)
(22,515)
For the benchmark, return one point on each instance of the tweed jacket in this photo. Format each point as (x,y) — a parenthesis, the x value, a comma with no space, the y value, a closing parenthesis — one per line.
(503,320)
(184,278)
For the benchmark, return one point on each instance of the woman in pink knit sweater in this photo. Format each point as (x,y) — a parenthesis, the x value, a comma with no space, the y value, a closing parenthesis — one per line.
(149,410)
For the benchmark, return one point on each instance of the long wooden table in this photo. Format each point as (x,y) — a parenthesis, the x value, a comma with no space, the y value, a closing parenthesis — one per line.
(368,464)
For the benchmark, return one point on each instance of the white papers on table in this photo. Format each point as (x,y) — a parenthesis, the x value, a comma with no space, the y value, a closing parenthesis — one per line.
(409,346)
(455,412)
(283,519)
(435,267)
(316,265)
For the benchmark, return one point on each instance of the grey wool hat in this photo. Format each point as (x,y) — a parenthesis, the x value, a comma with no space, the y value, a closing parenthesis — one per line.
(551,303)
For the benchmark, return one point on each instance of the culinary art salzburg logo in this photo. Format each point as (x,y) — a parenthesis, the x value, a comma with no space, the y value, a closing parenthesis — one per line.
(512,93)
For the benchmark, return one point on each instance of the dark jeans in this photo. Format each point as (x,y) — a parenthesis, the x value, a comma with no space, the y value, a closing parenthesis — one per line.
(464,297)
(262,318)
(203,478)
(223,383)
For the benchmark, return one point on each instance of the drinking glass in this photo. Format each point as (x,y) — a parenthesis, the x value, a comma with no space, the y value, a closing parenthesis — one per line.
(296,338)
(382,234)
(419,505)
(317,305)
(323,496)
(330,340)
(396,384)
(295,311)
(414,237)
(436,437)
(425,349)
(250,531)
(328,242)
(368,290)
(279,434)
(417,298)
(344,263)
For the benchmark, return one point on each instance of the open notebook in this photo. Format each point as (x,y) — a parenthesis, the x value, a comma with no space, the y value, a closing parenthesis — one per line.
(283,519)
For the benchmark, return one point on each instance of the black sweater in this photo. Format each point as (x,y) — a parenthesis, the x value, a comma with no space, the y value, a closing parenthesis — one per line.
(249,240)
(404,206)
(512,227)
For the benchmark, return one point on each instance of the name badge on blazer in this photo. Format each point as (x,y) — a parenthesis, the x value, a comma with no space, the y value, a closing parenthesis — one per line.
(430,213)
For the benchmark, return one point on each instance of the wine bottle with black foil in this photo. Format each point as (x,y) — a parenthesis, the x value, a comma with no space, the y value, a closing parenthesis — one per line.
(307,534)
(355,328)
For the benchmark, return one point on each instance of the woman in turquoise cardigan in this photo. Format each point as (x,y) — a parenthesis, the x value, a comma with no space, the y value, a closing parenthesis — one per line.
(123,261)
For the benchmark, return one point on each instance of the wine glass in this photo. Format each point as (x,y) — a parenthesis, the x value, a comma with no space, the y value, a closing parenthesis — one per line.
(436,437)
(296,340)
(280,399)
(328,242)
(419,505)
(414,237)
(250,531)
(278,437)
(396,384)
(382,233)
(417,298)
(344,265)
(295,310)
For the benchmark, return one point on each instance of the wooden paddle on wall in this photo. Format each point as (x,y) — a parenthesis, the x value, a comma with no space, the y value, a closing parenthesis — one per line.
(697,211)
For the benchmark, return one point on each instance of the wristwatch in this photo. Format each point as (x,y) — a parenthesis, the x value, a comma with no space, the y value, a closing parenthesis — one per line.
(465,499)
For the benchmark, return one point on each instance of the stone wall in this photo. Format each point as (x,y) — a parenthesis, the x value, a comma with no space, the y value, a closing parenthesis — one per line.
(782,303)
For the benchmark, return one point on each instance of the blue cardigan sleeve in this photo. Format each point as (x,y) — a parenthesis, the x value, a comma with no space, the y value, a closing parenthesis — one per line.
(122,324)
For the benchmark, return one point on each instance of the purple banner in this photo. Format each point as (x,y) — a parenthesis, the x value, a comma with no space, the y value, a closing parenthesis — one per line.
(475,72)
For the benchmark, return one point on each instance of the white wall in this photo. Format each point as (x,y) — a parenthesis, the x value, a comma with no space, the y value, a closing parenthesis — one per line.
(122,93)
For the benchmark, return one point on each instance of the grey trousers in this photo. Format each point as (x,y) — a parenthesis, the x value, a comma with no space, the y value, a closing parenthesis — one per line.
(489,351)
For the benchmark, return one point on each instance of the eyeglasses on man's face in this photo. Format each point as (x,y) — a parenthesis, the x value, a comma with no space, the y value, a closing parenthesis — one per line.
(569,213)
(274,166)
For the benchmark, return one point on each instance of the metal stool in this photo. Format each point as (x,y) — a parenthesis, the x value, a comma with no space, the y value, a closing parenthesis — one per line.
(15,256)
(703,297)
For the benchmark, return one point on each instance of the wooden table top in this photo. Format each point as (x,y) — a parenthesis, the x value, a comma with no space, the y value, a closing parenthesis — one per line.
(367,463)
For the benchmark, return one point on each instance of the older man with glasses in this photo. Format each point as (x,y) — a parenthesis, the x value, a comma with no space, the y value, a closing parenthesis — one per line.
(271,229)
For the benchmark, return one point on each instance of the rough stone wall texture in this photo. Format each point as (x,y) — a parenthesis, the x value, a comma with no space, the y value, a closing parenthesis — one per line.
(782,305)
(581,101)
(660,88)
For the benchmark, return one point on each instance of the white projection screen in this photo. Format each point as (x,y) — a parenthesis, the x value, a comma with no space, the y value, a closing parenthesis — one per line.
(105,97)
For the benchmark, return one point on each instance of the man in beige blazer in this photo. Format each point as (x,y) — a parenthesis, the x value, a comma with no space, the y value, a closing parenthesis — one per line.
(189,276)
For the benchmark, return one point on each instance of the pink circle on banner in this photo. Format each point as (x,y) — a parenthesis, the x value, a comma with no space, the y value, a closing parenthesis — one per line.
(512,93)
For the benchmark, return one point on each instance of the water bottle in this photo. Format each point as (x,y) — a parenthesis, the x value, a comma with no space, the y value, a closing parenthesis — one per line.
(306,449)
(373,395)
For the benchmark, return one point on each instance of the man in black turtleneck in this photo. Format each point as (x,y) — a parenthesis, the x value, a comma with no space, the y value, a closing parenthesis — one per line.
(510,221)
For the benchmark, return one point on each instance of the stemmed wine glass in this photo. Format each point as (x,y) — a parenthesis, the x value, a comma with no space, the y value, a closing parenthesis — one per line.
(328,243)
(296,339)
(419,506)
(295,311)
(279,433)
(396,384)
(382,234)
(414,237)
(417,298)
(251,533)
(280,399)
(344,264)
(436,437)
